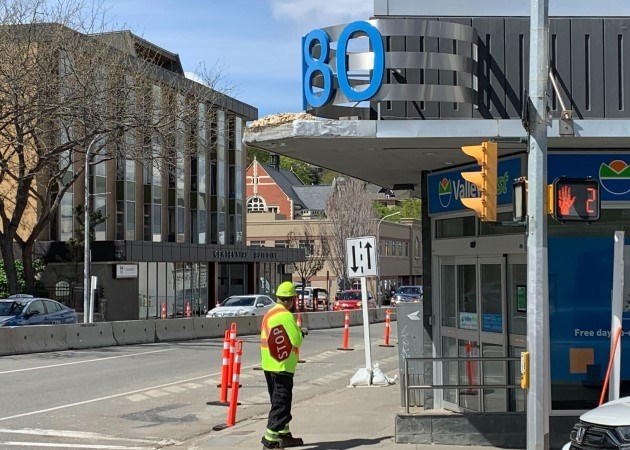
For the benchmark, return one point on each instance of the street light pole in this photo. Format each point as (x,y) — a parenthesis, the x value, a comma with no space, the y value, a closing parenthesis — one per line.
(378,255)
(86,231)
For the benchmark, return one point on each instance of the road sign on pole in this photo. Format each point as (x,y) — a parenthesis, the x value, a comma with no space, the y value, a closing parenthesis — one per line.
(361,257)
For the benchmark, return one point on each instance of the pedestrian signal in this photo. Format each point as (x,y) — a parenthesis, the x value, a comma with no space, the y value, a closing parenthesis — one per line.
(485,204)
(575,199)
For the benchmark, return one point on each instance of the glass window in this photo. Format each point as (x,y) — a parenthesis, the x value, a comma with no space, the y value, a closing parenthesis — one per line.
(489,228)
(517,298)
(36,307)
(256,204)
(495,400)
(491,298)
(448,297)
(66,217)
(467,294)
(455,227)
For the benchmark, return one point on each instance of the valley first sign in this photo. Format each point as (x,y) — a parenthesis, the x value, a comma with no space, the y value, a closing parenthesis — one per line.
(446,189)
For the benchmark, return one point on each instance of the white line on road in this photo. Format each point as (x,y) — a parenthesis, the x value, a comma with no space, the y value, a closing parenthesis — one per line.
(75,435)
(100,447)
(109,397)
(86,361)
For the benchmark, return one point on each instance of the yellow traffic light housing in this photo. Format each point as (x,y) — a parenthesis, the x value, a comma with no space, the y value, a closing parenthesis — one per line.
(485,204)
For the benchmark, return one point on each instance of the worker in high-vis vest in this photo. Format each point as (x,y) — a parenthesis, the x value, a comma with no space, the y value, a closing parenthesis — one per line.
(280,338)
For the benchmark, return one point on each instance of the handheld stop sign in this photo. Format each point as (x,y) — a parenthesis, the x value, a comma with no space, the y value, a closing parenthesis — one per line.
(280,346)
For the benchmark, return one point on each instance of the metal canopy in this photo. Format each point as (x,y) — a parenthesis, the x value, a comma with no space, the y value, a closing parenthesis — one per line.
(394,152)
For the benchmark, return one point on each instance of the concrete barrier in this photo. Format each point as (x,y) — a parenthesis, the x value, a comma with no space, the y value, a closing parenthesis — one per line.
(174,330)
(245,325)
(356,317)
(90,335)
(305,319)
(209,327)
(129,332)
(39,338)
(318,320)
(335,319)
(6,342)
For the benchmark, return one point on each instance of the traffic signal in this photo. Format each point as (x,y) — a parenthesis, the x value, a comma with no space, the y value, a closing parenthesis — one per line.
(485,204)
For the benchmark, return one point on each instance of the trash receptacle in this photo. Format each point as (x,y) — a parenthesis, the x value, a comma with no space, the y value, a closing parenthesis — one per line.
(409,322)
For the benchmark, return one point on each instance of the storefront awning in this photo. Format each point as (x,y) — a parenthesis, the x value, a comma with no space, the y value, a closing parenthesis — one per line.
(392,153)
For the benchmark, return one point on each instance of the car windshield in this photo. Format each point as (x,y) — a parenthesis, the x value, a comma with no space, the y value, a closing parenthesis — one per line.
(410,290)
(239,301)
(350,296)
(305,293)
(11,308)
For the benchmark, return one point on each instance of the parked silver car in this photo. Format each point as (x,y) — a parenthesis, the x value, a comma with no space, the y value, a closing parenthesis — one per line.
(242,305)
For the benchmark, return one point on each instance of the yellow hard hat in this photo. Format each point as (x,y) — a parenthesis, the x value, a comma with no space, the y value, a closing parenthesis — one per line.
(285,290)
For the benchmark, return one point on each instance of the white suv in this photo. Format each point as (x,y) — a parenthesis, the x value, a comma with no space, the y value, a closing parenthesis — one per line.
(605,427)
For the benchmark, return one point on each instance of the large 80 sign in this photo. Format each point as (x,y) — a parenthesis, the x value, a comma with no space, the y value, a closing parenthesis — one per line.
(312,66)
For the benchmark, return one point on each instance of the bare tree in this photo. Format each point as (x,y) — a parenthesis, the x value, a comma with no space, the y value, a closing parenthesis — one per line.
(73,95)
(351,214)
(316,254)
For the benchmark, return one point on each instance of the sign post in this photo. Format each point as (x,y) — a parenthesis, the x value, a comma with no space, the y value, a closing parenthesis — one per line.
(361,262)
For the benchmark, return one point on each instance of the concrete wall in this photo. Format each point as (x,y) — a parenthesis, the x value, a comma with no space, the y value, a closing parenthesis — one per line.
(48,338)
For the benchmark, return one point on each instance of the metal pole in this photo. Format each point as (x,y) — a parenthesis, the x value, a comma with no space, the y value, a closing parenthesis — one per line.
(617,314)
(86,232)
(378,256)
(366,329)
(538,395)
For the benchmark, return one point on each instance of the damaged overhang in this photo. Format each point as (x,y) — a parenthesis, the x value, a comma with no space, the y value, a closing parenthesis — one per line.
(395,152)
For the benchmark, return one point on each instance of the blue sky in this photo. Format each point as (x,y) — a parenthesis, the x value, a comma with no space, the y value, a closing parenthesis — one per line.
(256,43)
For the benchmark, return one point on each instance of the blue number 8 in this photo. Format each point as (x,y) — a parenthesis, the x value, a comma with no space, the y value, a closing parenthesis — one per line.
(312,65)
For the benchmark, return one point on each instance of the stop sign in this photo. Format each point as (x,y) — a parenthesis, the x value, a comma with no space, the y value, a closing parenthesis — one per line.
(279,343)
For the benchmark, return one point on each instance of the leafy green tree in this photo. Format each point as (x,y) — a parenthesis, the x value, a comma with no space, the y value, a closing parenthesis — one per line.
(38,267)
(411,208)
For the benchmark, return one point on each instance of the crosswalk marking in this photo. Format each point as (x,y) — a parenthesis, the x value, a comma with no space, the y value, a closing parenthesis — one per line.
(323,356)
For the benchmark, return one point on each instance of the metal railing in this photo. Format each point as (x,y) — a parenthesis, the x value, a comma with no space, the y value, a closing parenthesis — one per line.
(480,386)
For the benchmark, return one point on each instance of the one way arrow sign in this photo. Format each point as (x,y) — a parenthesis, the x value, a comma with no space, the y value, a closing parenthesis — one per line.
(361,257)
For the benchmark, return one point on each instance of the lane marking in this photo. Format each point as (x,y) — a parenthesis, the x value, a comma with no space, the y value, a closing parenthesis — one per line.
(74,434)
(86,361)
(143,390)
(100,447)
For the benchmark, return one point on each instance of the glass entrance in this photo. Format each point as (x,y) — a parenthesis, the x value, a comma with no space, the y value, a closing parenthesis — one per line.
(473,299)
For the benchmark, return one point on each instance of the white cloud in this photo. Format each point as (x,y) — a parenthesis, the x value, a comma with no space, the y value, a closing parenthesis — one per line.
(193,76)
(309,13)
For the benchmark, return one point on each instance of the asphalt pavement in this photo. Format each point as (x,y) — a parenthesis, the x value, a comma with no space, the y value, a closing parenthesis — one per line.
(346,418)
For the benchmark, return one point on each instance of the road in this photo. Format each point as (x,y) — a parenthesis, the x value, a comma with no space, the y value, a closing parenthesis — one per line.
(156,395)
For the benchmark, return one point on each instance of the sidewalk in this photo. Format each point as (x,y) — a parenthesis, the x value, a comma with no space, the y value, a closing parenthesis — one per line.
(349,418)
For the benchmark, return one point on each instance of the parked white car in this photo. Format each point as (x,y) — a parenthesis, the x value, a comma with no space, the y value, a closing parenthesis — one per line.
(605,427)
(242,305)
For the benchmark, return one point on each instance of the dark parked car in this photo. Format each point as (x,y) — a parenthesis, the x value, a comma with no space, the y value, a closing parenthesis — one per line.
(27,310)
(406,294)
(351,299)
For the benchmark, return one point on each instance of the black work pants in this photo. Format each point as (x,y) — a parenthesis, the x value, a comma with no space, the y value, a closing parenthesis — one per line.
(280,387)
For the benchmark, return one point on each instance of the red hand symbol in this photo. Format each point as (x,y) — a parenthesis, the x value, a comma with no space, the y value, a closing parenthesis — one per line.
(565,201)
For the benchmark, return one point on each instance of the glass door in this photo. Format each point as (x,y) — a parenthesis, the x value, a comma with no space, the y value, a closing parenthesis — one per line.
(472,308)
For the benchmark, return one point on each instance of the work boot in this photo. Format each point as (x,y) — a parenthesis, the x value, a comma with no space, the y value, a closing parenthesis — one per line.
(287,440)
(270,444)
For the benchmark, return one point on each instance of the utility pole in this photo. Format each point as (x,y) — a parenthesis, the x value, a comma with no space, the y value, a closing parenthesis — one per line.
(538,394)
(87,313)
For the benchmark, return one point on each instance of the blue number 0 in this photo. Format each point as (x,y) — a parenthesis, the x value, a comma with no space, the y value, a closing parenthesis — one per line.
(312,65)
(378,50)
